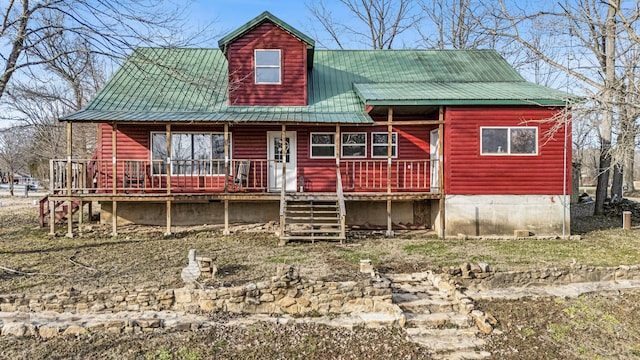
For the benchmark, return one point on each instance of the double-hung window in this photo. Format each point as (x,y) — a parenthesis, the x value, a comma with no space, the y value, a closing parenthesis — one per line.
(267,66)
(191,153)
(518,140)
(354,145)
(323,145)
(380,144)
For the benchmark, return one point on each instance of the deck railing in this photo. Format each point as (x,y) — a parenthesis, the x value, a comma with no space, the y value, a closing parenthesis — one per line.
(238,175)
(406,175)
(153,176)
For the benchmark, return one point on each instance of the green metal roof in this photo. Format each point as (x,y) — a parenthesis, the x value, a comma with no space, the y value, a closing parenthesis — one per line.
(459,93)
(172,84)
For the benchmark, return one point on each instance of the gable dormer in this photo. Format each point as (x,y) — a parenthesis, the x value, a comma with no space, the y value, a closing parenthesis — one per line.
(268,61)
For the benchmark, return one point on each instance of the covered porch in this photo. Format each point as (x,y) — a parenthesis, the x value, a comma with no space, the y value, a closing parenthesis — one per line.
(261,178)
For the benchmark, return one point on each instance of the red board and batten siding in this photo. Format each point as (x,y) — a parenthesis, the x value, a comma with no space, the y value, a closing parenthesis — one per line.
(467,172)
(133,142)
(319,173)
(293,88)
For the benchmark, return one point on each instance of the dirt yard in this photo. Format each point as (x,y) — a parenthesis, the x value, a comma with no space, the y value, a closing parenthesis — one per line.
(595,326)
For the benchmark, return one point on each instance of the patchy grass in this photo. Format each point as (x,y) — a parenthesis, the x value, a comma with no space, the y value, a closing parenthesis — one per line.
(143,257)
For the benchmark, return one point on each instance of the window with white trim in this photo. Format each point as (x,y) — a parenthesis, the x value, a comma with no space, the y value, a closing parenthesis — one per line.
(354,145)
(267,66)
(517,140)
(323,145)
(191,153)
(380,144)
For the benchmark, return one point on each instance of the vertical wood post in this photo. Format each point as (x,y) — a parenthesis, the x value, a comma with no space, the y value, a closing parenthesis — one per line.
(283,142)
(441,170)
(226,179)
(226,157)
(338,148)
(283,182)
(168,220)
(389,156)
(114,178)
(69,181)
(52,218)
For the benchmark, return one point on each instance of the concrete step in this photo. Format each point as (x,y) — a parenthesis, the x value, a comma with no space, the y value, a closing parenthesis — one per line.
(409,278)
(464,355)
(422,303)
(415,288)
(446,340)
(438,320)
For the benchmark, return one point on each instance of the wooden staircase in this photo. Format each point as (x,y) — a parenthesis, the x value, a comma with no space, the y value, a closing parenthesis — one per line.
(61,210)
(311,217)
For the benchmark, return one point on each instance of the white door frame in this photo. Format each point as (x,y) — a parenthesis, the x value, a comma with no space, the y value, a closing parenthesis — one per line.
(434,150)
(275,169)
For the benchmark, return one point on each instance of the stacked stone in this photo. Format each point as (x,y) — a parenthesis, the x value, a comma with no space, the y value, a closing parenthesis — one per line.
(208,269)
(287,293)
(473,270)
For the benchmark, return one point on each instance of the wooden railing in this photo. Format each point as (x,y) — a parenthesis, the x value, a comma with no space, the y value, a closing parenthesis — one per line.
(406,175)
(152,176)
(239,175)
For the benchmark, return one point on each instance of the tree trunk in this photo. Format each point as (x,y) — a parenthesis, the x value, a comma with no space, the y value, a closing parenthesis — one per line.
(607,111)
(616,183)
(11,183)
(628,175)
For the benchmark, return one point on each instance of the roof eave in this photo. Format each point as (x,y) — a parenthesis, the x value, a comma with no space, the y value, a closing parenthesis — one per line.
(435,102)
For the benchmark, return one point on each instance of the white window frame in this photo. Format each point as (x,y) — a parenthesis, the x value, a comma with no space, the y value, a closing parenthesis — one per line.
(394,146)
(343,144)
(256,67)
(508,150)
(210,133)
(312,145)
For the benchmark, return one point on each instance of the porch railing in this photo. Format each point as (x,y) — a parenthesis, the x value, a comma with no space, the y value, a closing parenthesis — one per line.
(406,175)
(154,176)
(241,175)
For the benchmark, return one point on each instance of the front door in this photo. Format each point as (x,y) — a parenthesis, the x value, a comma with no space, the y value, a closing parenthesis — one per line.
(274,152)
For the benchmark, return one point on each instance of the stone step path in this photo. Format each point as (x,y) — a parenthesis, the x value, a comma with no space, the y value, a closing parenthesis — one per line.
(434,318)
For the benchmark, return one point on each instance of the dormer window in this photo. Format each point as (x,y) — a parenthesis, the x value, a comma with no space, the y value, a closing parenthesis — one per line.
(267,66)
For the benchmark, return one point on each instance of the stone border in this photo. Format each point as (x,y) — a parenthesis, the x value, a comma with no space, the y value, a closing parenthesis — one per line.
(370,301)
(576,273)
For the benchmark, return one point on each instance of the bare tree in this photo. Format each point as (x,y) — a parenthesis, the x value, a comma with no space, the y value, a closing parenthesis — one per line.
(108,28)
(456,24)
(14,152)
(380,22)
(592,24)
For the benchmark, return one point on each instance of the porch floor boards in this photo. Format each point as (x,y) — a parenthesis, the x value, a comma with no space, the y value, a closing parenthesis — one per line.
(267,196)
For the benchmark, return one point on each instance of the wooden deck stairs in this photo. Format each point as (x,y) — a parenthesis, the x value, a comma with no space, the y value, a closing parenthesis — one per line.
(312,217)
(61,209)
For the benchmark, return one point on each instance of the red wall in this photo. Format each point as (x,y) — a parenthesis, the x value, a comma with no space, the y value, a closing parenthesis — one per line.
(466,172)
(250,142)
(293,89)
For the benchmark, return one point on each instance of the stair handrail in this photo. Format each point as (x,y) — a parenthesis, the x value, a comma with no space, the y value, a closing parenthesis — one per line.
(283,201)
(341,206)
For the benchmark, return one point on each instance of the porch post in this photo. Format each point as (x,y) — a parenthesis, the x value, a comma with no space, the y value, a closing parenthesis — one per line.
(389,156)
(168,211)
(52,218)
(69,181)
(226,179)
(52,204)
(283,149)
(441,169)
(283,155)
(114,178)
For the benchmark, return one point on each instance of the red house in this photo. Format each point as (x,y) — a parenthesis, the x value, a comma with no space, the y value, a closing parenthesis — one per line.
(453,140)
